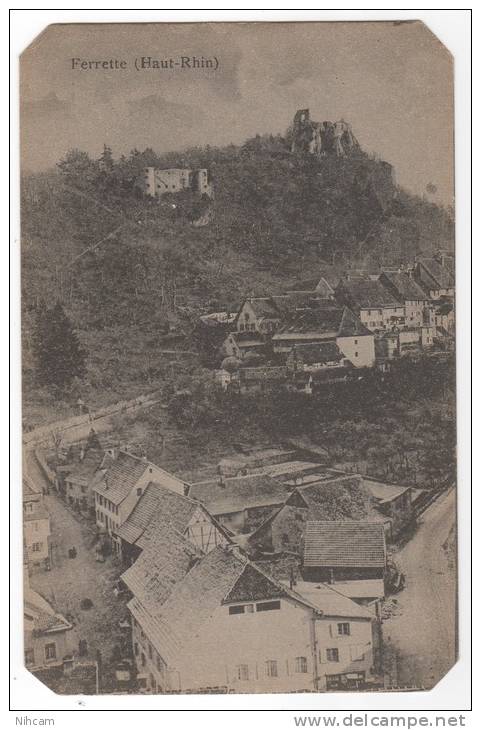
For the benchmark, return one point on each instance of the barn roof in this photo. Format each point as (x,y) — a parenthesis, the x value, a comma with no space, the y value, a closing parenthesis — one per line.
(121,477)
(366,293)
(344,544)
(441,275)
(238,493)
(406,287)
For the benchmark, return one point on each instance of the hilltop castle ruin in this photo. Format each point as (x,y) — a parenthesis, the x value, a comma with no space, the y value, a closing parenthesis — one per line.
(157,182)
(322,138)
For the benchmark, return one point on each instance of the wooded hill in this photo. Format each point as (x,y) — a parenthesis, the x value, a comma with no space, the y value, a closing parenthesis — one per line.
(117,259)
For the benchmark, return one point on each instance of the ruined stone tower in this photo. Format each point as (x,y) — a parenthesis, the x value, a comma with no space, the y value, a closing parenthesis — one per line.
(321,138)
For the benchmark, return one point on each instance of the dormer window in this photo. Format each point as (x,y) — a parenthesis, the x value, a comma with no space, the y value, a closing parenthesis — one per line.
(139,491)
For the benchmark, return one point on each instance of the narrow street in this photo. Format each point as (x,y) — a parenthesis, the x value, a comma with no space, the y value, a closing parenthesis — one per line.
(71,580)
(422,631)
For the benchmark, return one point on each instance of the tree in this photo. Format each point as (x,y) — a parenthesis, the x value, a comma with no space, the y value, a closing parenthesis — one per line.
(58,353)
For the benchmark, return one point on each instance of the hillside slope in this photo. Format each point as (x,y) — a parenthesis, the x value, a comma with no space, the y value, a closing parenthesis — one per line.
(118,260)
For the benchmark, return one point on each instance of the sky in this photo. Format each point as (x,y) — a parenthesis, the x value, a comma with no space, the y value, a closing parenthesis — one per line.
(392,81)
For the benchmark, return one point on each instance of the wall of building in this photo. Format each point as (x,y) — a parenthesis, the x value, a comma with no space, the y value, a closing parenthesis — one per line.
(381,318)
(63,647)
(228,642)
(363,345)
(36,536)
(355,651)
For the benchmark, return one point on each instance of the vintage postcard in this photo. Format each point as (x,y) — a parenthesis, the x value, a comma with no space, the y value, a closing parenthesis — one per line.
(238,358)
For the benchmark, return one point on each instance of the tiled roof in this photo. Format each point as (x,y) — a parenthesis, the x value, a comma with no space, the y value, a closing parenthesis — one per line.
(264,307)
(165,559)
(365,293)
(323,352)
(406,287)
(327,321)
(441,275)
(157,504)
(247,339)
(344,544)
(175,623)
(39,614)
(331,601)
(239,493)
(121,477)
(338,498)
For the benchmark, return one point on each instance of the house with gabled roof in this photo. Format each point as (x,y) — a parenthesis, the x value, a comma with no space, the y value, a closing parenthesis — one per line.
(332,498)
(328,322)
(158,507)
(119,486)
(344,550)
(407,291)
(436,279)
(238,344)
(377,308)
(228,626)
(258,314)
(47,637)
(79,479)
(240,503)
(319,286)
(316,356)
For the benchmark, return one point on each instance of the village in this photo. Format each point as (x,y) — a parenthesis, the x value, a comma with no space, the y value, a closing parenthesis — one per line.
(270,565)
(328,329)
(268,570)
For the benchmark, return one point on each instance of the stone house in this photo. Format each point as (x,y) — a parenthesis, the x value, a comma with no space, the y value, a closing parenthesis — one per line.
(227,626)
(47,637)
(36,524)
(158,507)
(119,486)
(328,322)
(374,304)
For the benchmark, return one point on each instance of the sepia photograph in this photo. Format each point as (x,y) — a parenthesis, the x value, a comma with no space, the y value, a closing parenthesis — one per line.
(238,318)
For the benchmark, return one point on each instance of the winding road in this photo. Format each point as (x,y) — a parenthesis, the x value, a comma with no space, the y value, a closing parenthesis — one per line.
(423,633)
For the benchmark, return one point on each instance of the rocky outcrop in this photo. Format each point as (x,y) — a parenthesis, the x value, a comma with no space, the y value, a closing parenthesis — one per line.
(322,138)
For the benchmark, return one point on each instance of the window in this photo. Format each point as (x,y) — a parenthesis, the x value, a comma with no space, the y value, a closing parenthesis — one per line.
(243,672)
(37,547)
(268,606)
(271,668)
(301,664)
(236,609)
(29,657)
(142,659)
(50,651)
(344,629)
(136,649)
(332,655)
(139,491)
(35,526)
(150,651)
(356,354)
(158,663)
